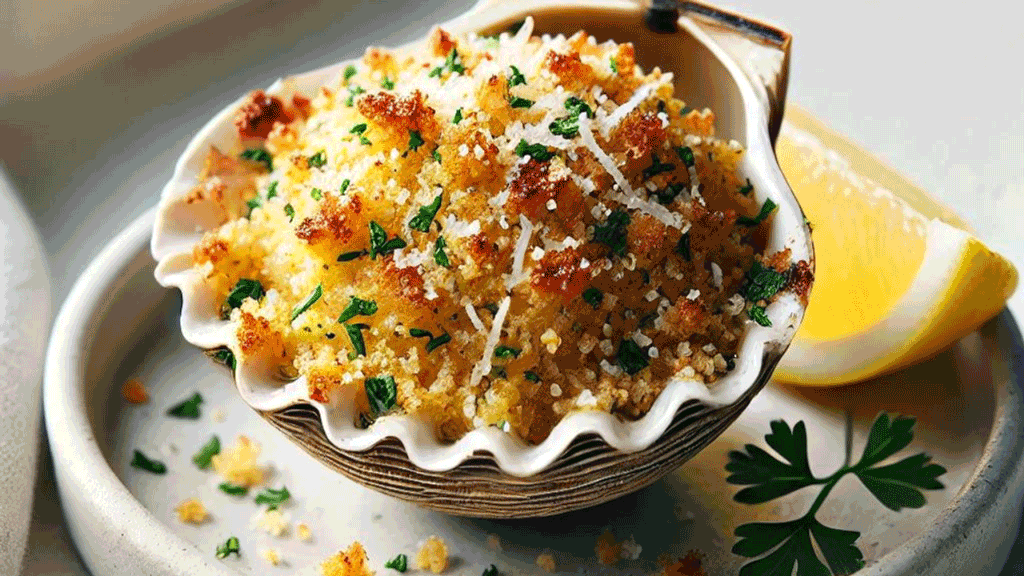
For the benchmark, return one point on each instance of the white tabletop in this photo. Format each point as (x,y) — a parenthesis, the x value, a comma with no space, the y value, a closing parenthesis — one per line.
(932,88)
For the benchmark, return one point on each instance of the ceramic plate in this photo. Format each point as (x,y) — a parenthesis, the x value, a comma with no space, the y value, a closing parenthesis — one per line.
(119,324)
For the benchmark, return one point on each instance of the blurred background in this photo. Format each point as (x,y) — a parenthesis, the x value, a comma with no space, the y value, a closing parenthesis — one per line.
(99,97)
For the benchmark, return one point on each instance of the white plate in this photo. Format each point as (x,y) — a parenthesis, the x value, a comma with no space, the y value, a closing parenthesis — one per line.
(118,324)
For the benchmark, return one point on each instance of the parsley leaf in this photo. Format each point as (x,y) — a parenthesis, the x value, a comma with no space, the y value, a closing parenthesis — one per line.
(458,116)
(252,205)
(358,128)
(261,156)
(453,63)
(612,233)
(188,408)
(272,190)
(517,102)
(631,357)
(350,71)
(233,489)
(379,243)
(289,211)
(399,563)
(421,221)
(388,84)
(140,461)
(432,343)
(344,185)
(746,190)
(244,288)
(382,393)
(415,140)
(491,570)
(355,336)
(516,78)
(223,356)
(768,477)
(230,546)
(766,209)
(358,307)
(760,315)
(436,155)
(593,296)
(761,283)
(686,155)
(309,301)
(352,93)
(507,352)
(273,498)
(317,160)
(440,257)
(657,167)
(567,127)
(348,256)
(613,64)
(538,152)
(531,376)
(317,194)
(669,193)
(575,106)
(205,455)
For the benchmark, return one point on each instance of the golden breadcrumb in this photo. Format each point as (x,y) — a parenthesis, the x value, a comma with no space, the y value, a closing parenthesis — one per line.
(546,561)
(273,522)
(689,565)
(351,562)
(271,556)
(303,532)
(433,555)
(608,550)
(238,465)
(192,511)
(134,391)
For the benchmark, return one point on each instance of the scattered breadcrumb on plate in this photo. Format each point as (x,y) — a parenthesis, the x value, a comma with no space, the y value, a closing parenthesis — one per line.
(134,391)
(192,511)
(237,464)
(546,561)
(433,555)
(271,556)
(303,532)
(273,522)
(689,565)
(351,562)
(608,550)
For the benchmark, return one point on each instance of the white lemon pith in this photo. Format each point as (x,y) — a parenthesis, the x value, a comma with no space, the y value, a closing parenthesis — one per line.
(898,276)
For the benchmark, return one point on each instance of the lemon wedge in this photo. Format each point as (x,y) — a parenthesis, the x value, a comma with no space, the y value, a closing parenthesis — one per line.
(898,276)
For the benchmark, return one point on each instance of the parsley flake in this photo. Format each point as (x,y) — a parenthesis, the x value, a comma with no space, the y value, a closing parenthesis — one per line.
(453,63)
(348,256)
(365,141)
(612,233)
(657,167)
(272,190)
(232,489)
(188,408)
(507,352)
(355,336)
(261,156)
(352,93)
(669,193)
(516,78)
(614,65)
(358,307)
(538,152)
(253,204)
(399,563)
(517,102)
(289,211)
(421,221)
(436,155)
(575,106)
(344,186)
(747,189)
(440,257)
(244,288)
(631,357)
(432,343)
(531,376)
(593,296)
(458,116)
(350,71)
(230,546)
(273,498)
(686,155)
(317,160)
(415,140)
(761,283)
(317,194)
(140,461)
(223,356)
(766,210)
(379,243)
(309,301)
(382,394)
(205,455)
(388,84)
(760,315)
(358,129)
(683,247)
(567,127)
(491,570)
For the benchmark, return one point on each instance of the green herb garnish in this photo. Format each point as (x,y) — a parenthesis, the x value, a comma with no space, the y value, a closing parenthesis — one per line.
(355,336)
(382,394)
(317,160)
(415,140)
(388,84)
(516,78)
(244,288)
(358,307)
(668,194)
(746,190)
(567,127)
(358,129)
(440,257)
(140,461)
(631,357)
(760,315)
(260,155)
(230,546)
(766,209)
(612,233)
(350,71)
(432,343)
(778,546)
(399,563)
(657,167)
(317,194)
(421,221)
(517,102)
(309,301)
(593,296)
(507,352)
(613,64)
(233,489)
(344,186)
(188,408)
(347,256)
(223,356)
(683,247)
(491,570)
(253,204)
(436,155)
(761,283)
(379,243)
(452,64)
(531,376)
(686,155)
(458,116)
(205,455)
(352,93)
(365,141)
(575,106)
(272,190)
(289,211)
(273,498)
(538,152)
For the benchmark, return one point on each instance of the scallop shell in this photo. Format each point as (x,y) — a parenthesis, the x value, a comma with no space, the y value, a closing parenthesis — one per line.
(589,457)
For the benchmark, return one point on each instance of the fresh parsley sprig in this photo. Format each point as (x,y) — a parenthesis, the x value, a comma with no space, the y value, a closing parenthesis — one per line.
(273,498)
(777,547)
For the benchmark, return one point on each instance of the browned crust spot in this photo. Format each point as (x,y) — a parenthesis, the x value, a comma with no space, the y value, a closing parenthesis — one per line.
(800,280)
(254,333)
(399,113)
(642,134)
(532,187)
(571,71)
(440,42)
(209,249)
(559,272)
(256,118)
(332,222)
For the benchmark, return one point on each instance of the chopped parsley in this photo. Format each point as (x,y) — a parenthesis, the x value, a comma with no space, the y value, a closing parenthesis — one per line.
(761,283)
(593,296)
(440,257)
(631,357)
(436,155)
(358,129)
(747,189)
(421,221)
(531,376)
(244,288)
(358,307)
(507,352)
(669,193)
(289,211)
(760,315)
(233,489)
(140,461)
(575,106)
(272,190)
(352,93)
(382,394)
(317,194)
(399,563)
(253,204)
(569,127)
(223,356)
(517,102)
(491,570)
(261,156)
(379,243)
(348,256)
(309,301)
(317,160)
(538,152)
(188,408)
(657,167)
(766,209)
(388,84)
(273,498)
(230,546)
(205,455)
(612,233)
(686,155)
(683,247)
(344,185)
(415,140)
(432,343)
(365,141)
(458,116)
(516,78)
(355,336)
(453,63)
(350,71)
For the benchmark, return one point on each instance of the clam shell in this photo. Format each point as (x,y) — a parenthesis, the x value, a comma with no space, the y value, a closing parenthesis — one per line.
(735,66)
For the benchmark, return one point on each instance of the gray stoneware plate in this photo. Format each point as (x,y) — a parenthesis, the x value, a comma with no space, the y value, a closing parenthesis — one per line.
(119,324)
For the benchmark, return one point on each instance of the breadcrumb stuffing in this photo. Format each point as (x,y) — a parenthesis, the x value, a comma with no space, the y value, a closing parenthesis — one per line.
(192,511)
(134,391)
(351,562)
(433,555)
(238,465)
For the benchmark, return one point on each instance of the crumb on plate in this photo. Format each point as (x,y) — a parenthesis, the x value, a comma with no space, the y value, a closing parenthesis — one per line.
(238,465)
(271,556)
(273,522)
(192,511)
(303,532)
(433,555)
(351,562)
(546,561)
(134,391)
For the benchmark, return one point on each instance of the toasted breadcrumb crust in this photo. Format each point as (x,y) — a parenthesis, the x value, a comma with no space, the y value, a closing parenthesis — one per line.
(351,562)
(433,555)
(192,511)
(556,226)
